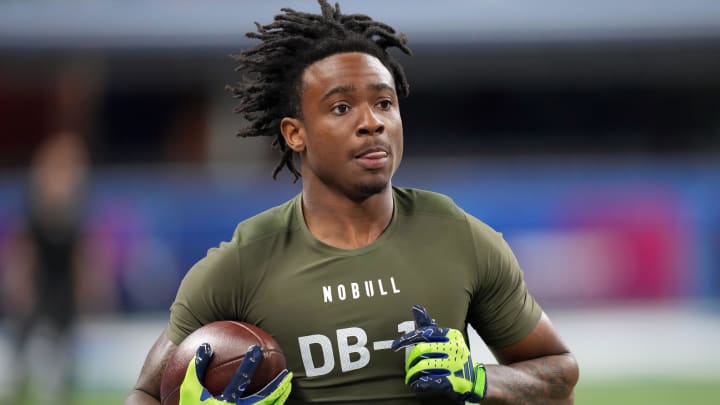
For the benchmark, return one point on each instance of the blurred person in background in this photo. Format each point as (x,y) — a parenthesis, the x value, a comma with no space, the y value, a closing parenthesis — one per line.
(44,298)
(50,273)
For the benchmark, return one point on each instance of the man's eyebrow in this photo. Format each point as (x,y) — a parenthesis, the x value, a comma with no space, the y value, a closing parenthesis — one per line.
(338,89)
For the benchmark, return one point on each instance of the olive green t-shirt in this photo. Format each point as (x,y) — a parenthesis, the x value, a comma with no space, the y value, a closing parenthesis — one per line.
(335,312)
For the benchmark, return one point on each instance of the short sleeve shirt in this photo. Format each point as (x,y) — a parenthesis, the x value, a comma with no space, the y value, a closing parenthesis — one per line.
(336,311)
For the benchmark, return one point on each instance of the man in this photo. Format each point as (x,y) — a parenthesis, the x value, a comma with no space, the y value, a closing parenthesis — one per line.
(333,273)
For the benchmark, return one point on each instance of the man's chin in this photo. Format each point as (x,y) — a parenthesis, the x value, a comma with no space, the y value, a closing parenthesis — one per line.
(366,190)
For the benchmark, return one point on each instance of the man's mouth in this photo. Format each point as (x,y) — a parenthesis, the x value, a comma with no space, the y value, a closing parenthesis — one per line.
(373,158)
(372,153)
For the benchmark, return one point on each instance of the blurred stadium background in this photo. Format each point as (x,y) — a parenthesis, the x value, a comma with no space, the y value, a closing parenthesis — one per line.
(588,132)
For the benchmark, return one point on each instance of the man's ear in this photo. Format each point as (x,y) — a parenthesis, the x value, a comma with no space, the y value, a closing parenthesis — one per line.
(293,131)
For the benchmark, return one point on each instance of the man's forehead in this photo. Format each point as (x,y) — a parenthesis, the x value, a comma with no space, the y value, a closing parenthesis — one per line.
(345,89)
(345,69)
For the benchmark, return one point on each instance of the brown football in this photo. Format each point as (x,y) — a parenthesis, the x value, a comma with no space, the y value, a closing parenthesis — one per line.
(230,341)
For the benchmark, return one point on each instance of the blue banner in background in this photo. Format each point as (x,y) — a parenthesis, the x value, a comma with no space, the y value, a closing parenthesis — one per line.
(597,230)
(583,231)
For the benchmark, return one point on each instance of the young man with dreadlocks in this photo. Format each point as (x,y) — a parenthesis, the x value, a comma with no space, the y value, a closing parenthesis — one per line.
(333,273)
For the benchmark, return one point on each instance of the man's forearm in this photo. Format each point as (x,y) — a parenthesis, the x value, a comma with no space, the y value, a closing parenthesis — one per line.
(138,397)
(545,380)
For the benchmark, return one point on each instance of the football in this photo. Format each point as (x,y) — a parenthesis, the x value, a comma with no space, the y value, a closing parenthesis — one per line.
(230,341)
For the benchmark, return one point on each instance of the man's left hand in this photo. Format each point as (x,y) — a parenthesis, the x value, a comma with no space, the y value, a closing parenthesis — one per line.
(441,360)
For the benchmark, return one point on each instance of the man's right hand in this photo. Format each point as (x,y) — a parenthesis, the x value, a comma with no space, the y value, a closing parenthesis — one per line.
(192,391)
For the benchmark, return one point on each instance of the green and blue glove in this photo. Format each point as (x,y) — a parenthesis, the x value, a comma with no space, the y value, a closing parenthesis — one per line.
(192,391)
(441,360)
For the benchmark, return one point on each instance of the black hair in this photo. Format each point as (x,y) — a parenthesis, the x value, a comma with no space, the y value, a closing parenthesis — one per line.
(270,86)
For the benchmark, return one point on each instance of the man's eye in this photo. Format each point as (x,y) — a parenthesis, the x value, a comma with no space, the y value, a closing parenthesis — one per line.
(341,109)
(385,104)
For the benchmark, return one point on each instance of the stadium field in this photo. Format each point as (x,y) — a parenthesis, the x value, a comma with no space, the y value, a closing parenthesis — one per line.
(629,392)
(648,392)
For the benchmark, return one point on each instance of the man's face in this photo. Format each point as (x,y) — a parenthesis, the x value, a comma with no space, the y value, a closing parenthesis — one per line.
(352,135)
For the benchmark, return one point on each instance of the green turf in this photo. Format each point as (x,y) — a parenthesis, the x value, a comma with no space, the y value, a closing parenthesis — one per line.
(630,392)
(645,392)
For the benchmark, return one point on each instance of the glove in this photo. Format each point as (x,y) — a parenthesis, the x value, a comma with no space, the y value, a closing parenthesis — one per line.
(193,392)
(441,360)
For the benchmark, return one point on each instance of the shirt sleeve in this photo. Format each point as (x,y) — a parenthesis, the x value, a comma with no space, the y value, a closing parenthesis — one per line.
(207,293)
(502,310)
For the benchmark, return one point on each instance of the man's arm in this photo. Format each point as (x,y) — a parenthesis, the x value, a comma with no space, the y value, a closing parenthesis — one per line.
(539,369)
(147,387)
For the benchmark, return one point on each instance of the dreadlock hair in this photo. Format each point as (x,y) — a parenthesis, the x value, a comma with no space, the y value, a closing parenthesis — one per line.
(270,86)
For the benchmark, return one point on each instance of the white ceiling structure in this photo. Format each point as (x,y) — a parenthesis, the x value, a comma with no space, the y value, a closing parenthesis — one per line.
(171,24)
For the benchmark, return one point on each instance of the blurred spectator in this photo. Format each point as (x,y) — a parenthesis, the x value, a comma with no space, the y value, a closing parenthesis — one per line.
(43,282)
(44,260)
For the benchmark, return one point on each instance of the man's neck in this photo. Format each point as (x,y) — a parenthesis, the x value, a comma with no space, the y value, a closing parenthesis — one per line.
(344,223)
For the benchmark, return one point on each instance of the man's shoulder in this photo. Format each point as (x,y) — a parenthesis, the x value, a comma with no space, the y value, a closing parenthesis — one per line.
(424,202)
(269,223)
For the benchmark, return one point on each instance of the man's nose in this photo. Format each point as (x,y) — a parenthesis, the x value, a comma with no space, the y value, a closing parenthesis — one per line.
(370,123)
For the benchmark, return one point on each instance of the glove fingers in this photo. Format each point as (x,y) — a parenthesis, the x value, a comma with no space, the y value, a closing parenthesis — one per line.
(426,330)
(191,387)
(413,360)
(244,374)
(428,334)
(431,382)
(203,354)
(407,339)
(422,317)
(421,366)
(275,392)
(426,375)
